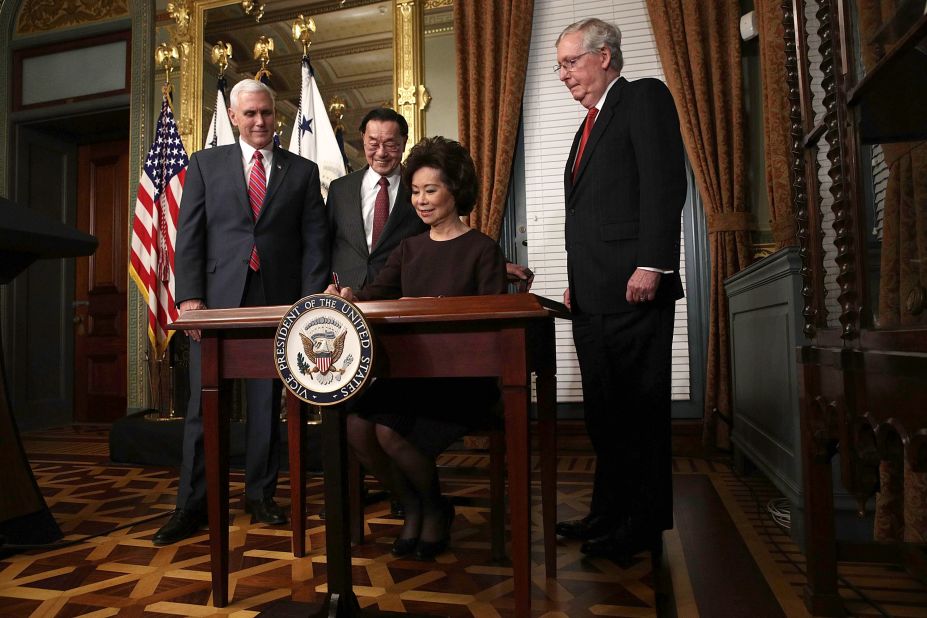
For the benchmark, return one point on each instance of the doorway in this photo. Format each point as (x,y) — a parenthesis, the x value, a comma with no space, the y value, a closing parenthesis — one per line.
(100,283)
(66,319)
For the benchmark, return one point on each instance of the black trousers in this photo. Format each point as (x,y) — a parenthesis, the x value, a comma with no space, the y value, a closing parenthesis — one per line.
(625,361)
(262,456)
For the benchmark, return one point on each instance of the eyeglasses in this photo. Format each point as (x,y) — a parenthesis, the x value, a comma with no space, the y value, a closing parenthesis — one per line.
(375,146)
(570,63)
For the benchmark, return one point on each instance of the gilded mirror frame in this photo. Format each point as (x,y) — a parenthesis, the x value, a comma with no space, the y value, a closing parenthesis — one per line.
(409,93)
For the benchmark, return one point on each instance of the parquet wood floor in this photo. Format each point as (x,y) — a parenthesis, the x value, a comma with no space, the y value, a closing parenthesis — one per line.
(120,573)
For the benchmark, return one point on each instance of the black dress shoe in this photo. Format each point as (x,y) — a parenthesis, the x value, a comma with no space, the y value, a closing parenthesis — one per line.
(588,527)
(183,524)
(622,544)
(265,511)
(396,509)
(428,550)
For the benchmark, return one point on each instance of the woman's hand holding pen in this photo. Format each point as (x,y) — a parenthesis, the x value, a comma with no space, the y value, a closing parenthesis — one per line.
(345,293)
(336,289)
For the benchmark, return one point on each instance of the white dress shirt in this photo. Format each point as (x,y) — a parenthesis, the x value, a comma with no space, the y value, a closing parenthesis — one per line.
(247,159)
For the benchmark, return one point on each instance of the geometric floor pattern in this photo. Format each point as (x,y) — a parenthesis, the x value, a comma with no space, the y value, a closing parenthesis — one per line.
(118,572)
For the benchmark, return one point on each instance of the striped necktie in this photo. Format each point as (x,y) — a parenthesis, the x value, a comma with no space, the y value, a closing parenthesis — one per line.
(257,189)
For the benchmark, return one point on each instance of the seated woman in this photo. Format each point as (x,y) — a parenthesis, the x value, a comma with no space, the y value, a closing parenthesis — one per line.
(398,427)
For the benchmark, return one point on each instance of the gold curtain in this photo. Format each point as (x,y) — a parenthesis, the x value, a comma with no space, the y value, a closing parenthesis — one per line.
(699,47)
(492,57)
(901,504)
(776,123)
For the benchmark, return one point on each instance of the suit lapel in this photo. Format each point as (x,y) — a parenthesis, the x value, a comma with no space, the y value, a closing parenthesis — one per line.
(568,172)
(398,213)
(234,163)
(354,216)
(281,165)
(605,116)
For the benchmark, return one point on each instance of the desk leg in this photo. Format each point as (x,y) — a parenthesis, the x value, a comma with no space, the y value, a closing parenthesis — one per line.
(547,420)
(516,392)
(216,448)
(295,429)
(341,602)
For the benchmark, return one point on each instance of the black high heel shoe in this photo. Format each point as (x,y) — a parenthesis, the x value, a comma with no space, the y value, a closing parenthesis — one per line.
(427,550)
(403,547)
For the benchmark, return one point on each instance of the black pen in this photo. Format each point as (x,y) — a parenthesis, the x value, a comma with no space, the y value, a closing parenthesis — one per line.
(335,281)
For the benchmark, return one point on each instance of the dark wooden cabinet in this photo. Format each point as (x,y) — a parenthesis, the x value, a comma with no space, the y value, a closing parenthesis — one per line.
(858,90)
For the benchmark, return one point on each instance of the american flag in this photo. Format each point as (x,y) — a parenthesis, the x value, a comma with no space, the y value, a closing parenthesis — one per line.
(155,227)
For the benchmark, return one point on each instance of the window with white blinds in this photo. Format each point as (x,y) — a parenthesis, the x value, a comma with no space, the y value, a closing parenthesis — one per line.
(550,120)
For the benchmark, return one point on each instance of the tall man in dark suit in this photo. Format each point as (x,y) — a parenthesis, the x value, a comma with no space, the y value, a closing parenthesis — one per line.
(624,187)
(252,232)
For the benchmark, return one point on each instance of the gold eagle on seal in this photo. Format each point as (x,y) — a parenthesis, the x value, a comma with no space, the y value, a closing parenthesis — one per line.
(323,352)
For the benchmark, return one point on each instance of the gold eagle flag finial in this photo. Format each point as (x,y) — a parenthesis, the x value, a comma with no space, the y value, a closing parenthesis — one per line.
(221,52)
(263,47)
(255,8)
(303,29)
(166,56)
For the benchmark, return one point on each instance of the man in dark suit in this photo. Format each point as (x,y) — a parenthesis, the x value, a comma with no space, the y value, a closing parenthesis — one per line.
(625,187)
(252,232)
(363,236)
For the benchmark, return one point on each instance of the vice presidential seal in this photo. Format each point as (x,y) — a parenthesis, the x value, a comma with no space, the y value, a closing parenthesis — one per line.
(323,349)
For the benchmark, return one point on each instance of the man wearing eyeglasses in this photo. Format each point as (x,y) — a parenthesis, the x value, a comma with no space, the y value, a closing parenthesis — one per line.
(370,210)
(624,187)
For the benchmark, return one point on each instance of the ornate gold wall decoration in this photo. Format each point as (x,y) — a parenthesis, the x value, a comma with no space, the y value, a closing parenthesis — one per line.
(437,4)
(45,15)
(411,95)
(182,37)
(438,22)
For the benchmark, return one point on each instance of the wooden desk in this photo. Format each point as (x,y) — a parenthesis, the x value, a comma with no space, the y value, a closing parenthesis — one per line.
(507,336)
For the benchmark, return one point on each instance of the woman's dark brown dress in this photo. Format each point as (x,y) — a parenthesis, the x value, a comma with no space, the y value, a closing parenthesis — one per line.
(434,412)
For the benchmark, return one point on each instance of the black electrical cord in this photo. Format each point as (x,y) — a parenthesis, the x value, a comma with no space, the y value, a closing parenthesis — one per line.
(71,542)
(756,499)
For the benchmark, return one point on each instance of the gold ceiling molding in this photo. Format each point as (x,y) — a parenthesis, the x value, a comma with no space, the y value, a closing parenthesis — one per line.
(287,15)
(46,15)
(438,22)
(320,53)
(437,4)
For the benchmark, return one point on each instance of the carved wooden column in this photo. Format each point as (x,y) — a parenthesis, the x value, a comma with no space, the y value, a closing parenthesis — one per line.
(411,96)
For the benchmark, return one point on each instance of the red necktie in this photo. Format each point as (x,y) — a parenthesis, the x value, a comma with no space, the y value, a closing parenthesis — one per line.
(257,188)
(380,210)
(587,129)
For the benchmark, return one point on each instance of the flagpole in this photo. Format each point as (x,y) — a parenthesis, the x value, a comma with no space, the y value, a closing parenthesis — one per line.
(313,136)
(151,265)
